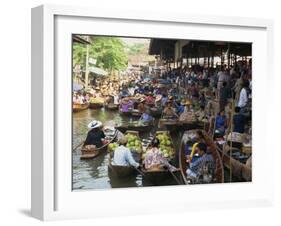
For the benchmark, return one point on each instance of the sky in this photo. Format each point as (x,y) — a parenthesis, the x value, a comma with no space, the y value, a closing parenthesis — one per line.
(131,41)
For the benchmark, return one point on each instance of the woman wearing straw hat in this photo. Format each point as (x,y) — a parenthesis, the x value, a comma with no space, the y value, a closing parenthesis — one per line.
(187,115)
(141,106)
(169,112)
(95,136)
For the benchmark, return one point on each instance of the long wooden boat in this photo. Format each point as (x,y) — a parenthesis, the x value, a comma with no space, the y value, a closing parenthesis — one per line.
(124,171)
(136,113)
(240,169)
(135,126)
(95,105)
(94,152)
(169,124)
(218,176)
(162,176)
(111,106)
(124,113)
(189,125)
(79,107)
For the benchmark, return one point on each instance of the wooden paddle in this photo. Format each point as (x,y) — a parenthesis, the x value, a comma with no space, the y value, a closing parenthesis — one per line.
(139,171)
(78,145)
(174,176)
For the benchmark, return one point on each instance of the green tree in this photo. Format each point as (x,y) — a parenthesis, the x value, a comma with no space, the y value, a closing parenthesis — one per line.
(108,51)
(79,54)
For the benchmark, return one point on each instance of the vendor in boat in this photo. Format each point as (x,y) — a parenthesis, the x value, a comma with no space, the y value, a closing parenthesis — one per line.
(75,99)
(201,114)
(126,104)
(141,106)
(180,107)
(146,117)
(149,99)
(154,158)
(204,160)
(158,101)
(169,112)
(238,121)
(115,99)
(190,146)
(188,114)
(140,89)
(123,156)
(95,136)
(164,100)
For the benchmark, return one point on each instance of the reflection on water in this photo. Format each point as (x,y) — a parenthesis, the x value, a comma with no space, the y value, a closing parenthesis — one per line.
(93,173)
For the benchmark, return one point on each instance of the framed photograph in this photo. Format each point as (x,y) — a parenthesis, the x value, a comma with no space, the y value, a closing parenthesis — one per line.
(136,112)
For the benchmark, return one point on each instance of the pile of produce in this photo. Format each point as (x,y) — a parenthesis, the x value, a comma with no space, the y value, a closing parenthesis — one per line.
(112,146)
(166,145)
(134,142)
(96,100)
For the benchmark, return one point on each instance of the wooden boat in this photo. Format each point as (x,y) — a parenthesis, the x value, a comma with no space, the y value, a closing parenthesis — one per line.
(136,126)
(94,152)
(155,112)
(162,176)
(189,125)
(159,177)
(169,124)
(111,106)
(79,107)
(95,105)
(124,171)
(136,113)
(236,162)
(187,137)
(124,113)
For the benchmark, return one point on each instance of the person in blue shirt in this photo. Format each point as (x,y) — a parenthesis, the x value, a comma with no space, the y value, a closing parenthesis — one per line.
(180,107)
(238,121)
(123,156)
(164,100)
(203,159)
(221,122)
(146,117)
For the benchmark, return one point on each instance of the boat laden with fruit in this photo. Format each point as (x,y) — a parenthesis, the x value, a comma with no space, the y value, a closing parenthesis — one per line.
(205,176)
(161,175)
(96,103)
(236,157)
(92,152)
(79,107)
(135,146)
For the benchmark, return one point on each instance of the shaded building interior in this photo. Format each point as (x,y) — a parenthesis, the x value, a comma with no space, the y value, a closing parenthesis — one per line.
(178,53)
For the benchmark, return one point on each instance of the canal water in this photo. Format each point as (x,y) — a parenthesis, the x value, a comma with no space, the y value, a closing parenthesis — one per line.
(93,173)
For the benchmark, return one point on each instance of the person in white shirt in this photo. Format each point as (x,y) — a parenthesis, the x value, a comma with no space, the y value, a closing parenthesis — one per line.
(222,77)
(243,97)
(115,99)
(123,156)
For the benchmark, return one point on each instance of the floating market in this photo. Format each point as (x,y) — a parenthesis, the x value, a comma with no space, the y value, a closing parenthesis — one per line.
(159,112)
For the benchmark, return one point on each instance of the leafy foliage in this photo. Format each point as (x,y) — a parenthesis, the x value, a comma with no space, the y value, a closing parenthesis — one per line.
(108,51)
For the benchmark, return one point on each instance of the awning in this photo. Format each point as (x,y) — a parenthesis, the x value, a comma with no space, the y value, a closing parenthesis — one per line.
(97,71)
(77,87)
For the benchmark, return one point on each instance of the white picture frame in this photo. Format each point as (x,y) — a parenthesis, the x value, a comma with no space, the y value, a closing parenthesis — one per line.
(52,197)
